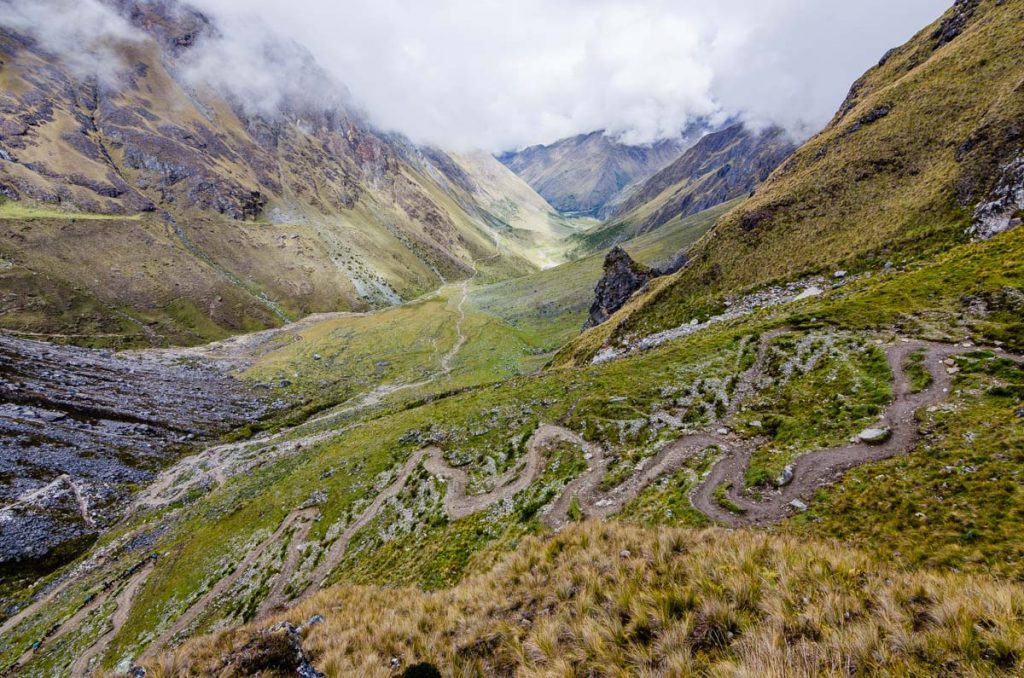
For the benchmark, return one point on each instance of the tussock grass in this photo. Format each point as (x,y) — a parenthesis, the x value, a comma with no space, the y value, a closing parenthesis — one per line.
(606,599)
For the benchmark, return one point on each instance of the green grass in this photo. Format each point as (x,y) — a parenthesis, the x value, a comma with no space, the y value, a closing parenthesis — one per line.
(483,428)
(854,197)
(721,497)
(955,502)
(920,377)
(843,393)
(667,501)
(551,305)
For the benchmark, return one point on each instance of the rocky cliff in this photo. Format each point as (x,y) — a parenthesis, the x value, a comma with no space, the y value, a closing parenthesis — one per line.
(622,277)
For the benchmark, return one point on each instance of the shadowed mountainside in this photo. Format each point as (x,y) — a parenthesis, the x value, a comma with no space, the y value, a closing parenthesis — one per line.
(584,174)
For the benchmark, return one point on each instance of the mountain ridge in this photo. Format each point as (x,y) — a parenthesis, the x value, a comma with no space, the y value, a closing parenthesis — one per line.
(585,174)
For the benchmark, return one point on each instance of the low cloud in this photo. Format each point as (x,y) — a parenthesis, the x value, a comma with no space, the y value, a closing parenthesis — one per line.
(499,75)
(85,34)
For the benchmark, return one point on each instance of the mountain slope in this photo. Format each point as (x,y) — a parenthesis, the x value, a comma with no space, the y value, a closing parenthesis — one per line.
(244,218)
(927,144)
(597,599)
(721,166)
(581,175)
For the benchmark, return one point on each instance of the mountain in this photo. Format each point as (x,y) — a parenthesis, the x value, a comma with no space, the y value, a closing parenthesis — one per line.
(150,209)
(762,464)
(722,166)
(584,174)
(925,151)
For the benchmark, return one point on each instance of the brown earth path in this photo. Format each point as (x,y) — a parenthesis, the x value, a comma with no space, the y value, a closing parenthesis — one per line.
(816,469)
(811,471)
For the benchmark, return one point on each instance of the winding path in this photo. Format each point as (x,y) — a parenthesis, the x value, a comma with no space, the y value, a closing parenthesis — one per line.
(225,583)
(811,471)
(215,464)
(82,664)
(822,467)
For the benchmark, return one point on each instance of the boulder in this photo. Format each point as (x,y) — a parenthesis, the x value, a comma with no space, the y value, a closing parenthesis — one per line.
(875,436)
(786,477)
(622,277)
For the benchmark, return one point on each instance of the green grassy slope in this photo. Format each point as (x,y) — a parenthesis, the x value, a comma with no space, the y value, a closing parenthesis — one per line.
(896,174)
(966,293)
(552,304)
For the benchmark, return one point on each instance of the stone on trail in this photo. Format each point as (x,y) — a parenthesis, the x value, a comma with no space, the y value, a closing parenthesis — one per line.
(786,477)
(798,505)
(875,436)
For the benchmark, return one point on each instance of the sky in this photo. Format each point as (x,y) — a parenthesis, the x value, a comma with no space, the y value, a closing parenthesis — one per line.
(500,75)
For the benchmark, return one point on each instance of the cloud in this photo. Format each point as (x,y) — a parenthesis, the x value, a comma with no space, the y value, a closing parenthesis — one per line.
(497,75)
(85,34)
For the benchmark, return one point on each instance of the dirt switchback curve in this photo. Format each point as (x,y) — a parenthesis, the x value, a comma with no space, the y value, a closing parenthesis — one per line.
(811,471)
(822,467)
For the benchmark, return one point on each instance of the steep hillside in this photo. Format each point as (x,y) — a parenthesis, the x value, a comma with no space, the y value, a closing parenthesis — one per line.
(582,175)
(526,223)
(609,600)
(926,146)
(243,219)
(418,487)
(720,167)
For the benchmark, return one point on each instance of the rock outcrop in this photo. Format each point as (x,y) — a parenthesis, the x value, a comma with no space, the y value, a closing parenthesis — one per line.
(622,278)
(80,427)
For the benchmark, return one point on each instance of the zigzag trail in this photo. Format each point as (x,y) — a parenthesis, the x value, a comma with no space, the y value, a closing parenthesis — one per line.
(211,465)
(822,467)
(812,470)
(219,462)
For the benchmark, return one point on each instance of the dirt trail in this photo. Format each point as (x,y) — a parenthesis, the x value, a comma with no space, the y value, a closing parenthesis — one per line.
(822,467)
(276,599)
(81,666)
(135,576)
(811,472)
(227,582)
(216,464)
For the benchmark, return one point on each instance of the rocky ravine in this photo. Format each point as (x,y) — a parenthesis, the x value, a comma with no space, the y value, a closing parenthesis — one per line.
(79,426)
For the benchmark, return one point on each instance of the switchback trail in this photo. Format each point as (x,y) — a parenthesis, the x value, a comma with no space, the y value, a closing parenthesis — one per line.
(217,463)
(134,578)
(822,467)
(81,666)
(812,470)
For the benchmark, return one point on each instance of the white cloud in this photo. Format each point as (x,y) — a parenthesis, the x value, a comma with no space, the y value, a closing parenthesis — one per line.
(496,74)
(83,33)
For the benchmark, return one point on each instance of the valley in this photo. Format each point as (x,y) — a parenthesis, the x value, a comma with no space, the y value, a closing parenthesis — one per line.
(314,399)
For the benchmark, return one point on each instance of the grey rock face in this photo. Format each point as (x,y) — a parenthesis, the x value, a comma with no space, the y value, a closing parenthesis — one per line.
(1004,208)
(622,277)
(78,427)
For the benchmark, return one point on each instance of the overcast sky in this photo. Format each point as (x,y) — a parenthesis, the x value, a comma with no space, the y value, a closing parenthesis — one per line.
(501,74)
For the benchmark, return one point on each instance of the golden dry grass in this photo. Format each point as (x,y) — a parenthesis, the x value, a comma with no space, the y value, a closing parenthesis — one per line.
(608,599)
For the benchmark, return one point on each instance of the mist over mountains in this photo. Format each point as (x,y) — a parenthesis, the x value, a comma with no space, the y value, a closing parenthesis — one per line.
(492,76)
